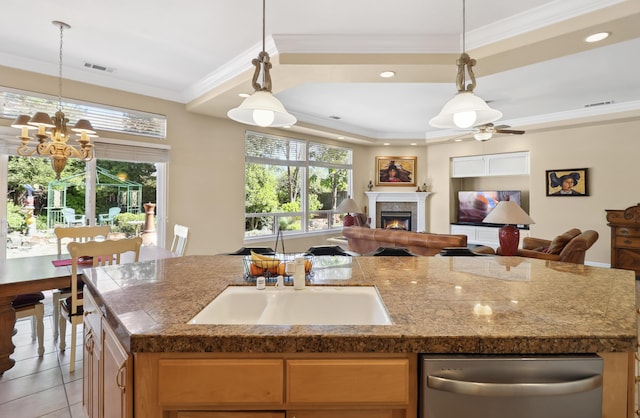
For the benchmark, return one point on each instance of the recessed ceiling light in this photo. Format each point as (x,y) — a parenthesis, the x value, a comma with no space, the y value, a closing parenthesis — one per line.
(341,137)
(387,74)
(458,140)
(244,95)
(413,143)
(287,126)
(386,143)
(597,37)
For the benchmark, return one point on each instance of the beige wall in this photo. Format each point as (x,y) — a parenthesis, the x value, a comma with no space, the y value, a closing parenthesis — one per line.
(609,150)
(206,171)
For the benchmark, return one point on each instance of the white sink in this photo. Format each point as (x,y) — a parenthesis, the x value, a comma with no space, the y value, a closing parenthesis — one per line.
(314,305)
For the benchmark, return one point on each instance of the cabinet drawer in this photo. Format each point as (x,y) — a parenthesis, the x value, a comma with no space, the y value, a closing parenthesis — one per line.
(628,242)
(229,414)
(379,381)
(627,259)
(627,232)
(369,413)
(220,382)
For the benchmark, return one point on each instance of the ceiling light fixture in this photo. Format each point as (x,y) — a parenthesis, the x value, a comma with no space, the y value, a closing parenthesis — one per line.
(483,136)
(597,37)
(262,108)
(465,109)
(387,74)
(53,143)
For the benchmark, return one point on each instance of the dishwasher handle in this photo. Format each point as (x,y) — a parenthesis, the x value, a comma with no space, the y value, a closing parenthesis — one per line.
(514,389)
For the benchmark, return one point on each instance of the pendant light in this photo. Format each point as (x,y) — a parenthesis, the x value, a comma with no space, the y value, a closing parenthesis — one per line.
(465,109)
(262,108)
(52,133)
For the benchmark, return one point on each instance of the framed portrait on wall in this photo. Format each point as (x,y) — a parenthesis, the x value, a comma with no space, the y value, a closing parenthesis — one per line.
(396,171)
(568,182)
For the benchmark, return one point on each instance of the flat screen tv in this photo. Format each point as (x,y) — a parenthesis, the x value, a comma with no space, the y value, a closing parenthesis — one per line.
(474,206)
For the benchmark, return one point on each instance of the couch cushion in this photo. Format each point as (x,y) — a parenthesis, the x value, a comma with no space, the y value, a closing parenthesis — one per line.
(558,243)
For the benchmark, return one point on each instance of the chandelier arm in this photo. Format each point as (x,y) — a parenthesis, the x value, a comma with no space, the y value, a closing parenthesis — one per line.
(24,151)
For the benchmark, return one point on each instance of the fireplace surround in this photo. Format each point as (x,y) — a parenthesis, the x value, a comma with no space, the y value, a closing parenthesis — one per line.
(402,201)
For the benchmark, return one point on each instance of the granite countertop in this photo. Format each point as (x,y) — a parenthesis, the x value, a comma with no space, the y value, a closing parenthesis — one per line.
(436,305)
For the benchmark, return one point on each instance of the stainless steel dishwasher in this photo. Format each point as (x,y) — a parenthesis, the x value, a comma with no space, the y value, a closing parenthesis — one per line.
(460,386)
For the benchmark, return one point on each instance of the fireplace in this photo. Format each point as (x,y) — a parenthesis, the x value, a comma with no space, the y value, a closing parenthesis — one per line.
(400,220)
(414,202)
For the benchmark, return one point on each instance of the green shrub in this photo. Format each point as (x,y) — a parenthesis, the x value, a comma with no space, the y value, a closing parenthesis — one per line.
(120,223)
(15,218)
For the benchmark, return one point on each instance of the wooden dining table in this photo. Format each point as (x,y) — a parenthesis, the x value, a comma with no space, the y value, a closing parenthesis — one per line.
(35,274)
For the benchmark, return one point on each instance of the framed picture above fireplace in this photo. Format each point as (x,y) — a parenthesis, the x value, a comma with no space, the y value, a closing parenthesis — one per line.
(396,171)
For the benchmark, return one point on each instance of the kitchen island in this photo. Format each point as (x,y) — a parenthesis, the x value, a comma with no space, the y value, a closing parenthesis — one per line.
(136,326)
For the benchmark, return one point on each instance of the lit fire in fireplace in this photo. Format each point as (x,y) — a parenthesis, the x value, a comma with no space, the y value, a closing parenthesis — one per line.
(396,224)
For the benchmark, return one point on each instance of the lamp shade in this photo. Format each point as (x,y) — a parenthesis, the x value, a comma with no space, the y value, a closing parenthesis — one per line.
(262,109)
(348,205)
(508,212)
(464,111)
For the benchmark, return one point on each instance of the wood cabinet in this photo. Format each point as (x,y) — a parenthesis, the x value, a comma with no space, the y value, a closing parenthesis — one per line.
(91,360)
(507,164)
(625,238)
(117,377)
(298,385)
(107,371)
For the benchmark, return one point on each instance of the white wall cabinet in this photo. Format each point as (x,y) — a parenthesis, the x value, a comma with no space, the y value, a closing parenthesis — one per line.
(508,164)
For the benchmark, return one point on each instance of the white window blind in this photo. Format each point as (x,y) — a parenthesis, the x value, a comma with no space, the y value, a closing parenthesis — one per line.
(103,118)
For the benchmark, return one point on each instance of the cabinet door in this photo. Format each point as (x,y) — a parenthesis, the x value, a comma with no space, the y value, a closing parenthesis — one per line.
(92,354)
(511,164)
(90,374)
(385,413)
(468,167)
(117,378)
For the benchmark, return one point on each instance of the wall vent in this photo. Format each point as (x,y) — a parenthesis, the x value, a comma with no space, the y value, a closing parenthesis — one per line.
(98,67)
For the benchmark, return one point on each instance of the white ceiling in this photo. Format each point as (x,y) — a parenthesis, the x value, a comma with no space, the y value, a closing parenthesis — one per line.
(532,62)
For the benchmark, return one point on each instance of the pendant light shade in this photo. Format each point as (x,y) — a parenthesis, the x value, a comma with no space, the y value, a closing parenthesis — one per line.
(465,109)
(262,108)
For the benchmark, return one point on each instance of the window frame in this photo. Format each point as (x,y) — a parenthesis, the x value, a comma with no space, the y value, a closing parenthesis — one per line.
(305,164)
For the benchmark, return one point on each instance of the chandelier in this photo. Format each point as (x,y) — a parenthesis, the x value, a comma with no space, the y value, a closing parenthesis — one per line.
(52,135)
(262,108)
(465,109)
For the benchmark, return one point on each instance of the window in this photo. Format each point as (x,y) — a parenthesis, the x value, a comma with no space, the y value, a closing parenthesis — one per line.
(293,185)
(103,118)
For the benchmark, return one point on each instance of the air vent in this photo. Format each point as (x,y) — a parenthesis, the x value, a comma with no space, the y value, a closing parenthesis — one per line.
(98,67)
(607,102)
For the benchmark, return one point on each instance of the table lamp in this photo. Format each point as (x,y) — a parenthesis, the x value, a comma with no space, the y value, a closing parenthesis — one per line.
(347,205)
(509,213)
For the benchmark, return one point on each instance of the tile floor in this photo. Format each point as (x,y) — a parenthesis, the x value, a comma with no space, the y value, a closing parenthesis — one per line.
(42,386)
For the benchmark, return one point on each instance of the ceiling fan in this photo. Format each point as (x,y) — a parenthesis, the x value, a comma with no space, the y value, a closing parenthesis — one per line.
(485,132)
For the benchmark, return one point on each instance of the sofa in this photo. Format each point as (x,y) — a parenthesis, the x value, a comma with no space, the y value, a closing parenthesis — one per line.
(365,240)
(570,246)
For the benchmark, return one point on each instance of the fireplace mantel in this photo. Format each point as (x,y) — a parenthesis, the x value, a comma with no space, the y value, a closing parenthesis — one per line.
(418,197)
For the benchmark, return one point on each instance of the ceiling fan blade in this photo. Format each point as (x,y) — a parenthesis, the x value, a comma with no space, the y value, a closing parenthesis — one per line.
(509,131)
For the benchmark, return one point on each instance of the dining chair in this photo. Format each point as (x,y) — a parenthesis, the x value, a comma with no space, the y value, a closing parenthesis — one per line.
(72,234)
(29,304)
(101,253)
(179,243)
